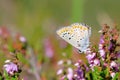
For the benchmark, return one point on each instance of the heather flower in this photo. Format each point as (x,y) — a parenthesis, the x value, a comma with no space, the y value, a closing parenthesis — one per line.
(102,40)
(22,39)
(91,56)
(118,54)
(93,63)
(65,70)
(60,71)
(112,74)
(10,67)
(60,62)
(101,47)
(79,74)
(96,62)
(102,54)
(80,71)
(114,66)
(63,77)
(70,74)
(112,45)
(92,59)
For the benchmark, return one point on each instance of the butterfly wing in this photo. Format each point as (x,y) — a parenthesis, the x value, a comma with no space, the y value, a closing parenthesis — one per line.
(77,35)
(82,34)
(66,33)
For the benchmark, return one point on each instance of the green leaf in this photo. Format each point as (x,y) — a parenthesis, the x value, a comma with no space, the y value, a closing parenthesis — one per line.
(7,77)
(0,77)
(22,58)
(115,77)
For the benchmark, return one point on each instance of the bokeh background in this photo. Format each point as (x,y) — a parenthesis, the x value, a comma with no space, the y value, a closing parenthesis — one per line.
(38,20)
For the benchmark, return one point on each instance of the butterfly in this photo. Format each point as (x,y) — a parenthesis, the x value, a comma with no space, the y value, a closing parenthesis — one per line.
(77,35)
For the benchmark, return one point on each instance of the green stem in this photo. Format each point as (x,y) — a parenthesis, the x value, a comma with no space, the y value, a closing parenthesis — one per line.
(77,10)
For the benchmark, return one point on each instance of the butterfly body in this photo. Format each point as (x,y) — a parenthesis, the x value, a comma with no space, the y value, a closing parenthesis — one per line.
(77,35)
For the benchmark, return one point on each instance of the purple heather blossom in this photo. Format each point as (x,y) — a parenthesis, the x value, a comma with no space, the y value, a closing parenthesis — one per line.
(76,64)
(114,66)
(60,71)
(63,77)
(60,62)
(112,74)
(101,39)
(101,49)
(118,54)
(79,74)
(91,56)
(102,54)
(70,74)
(80,71)
(96,62)
(92,59)
(100,46)
(11,67)
(65,72)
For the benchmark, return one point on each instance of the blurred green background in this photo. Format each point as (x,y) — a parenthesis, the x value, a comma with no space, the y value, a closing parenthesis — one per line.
(39,19)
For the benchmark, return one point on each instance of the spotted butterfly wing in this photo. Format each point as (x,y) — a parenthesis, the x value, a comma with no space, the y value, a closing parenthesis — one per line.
(77,35)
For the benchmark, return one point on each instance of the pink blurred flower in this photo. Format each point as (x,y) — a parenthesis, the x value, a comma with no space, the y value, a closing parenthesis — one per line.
(22,39)
(97,62)
(112,74)
(91,56)
(48,49)
(70,74)
(60,71)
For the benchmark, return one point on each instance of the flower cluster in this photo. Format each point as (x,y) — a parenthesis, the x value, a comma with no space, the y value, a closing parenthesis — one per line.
(103,62)
(12,42)
(10,67)
(92,57)
(80,71)
(107,48)
(106,56)
(65,71)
